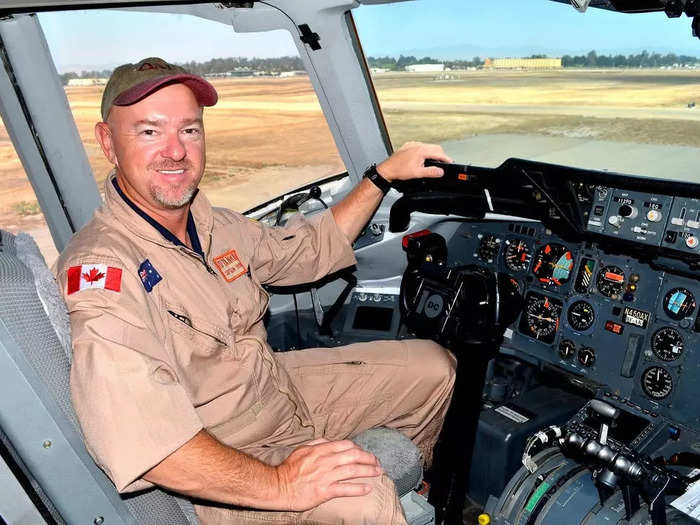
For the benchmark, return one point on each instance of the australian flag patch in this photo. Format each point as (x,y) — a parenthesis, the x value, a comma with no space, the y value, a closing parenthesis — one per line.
(149,275)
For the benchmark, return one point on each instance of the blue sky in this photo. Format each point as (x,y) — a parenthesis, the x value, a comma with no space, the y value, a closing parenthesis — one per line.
(440,28)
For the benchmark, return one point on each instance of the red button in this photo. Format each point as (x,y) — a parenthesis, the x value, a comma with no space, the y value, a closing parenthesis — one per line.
(612,326)
(422,233)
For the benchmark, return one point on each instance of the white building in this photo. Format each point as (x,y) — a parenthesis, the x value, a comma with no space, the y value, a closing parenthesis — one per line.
(425,68)
(87,81)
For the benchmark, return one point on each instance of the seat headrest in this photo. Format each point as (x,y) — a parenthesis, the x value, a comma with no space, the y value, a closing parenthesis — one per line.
(23,247)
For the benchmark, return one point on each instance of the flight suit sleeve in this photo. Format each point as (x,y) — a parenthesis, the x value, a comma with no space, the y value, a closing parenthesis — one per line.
(131,407)
(304,250)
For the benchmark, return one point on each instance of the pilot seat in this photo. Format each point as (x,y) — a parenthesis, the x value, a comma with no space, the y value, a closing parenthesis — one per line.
(41,444)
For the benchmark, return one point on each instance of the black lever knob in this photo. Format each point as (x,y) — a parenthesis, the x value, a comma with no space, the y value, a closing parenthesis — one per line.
(314,192)
(607,415)
(603,409)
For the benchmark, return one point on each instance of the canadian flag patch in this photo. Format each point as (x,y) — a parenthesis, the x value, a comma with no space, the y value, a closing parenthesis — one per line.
(94,276)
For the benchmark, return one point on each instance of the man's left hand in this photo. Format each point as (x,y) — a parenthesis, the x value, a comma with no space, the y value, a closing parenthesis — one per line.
(408,162)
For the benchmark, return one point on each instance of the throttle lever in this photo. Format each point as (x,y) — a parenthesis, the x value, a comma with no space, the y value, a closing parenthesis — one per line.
(605,412)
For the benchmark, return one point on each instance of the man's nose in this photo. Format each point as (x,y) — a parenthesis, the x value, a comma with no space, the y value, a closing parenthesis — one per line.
(174,149)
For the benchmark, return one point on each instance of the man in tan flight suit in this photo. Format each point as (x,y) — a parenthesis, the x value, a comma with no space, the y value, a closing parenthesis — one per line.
(173,380)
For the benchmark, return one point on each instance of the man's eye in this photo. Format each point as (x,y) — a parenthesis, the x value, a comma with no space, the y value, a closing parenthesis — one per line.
(191,131)
(148,132)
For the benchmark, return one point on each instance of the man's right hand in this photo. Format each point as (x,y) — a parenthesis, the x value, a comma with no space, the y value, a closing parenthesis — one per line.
(323,470)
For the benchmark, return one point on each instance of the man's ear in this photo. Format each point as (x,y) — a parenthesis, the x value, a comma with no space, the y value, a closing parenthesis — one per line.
(104,137)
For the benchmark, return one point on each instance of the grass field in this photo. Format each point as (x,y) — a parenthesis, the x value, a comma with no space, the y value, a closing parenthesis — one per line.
(625,106)
(268,135)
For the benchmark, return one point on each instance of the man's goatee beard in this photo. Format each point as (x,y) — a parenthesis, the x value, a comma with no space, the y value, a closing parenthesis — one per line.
(163,196)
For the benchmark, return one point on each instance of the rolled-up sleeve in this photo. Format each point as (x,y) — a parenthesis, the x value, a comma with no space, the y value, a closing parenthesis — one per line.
(304,250)
(132,409)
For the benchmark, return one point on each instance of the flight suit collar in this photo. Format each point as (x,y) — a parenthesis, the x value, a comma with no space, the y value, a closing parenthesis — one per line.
(200,207)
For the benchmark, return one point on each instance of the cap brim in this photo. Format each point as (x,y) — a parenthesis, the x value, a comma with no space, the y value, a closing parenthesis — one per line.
(203,91)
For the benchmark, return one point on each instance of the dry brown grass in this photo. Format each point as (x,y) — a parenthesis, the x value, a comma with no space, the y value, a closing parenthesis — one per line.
(623,88)
(646,106)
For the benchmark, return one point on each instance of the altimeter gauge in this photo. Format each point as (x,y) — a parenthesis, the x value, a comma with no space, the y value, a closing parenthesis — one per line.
(657,382)
(611,281)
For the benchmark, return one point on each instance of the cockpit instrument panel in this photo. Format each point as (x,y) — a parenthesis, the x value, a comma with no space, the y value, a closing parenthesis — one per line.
(610,319)
(608,265)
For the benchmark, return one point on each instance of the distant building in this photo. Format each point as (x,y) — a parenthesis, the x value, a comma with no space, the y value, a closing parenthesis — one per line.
(523,63)
(425,68)
(292,73)
(87,82)
(238,72)
(378,70)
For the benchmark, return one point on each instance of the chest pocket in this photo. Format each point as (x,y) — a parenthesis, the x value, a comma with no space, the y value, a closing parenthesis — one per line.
(204,353)
(203,338)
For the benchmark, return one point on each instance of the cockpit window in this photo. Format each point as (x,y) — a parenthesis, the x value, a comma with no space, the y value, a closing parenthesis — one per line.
(538,80)
(266,136)
(19,209)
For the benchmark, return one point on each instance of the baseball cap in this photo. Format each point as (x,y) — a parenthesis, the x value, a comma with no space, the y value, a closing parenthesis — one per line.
(130,83)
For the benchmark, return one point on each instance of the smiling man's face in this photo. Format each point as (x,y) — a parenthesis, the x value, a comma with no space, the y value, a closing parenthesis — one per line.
(157,147)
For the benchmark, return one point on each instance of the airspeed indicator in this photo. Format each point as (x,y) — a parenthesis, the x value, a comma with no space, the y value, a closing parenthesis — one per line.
(517,255)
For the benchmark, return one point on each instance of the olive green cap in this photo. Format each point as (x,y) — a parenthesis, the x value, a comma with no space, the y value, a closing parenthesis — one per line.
(130,83)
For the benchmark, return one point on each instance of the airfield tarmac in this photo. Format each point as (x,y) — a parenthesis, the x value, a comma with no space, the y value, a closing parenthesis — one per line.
(268,135)
(646,160)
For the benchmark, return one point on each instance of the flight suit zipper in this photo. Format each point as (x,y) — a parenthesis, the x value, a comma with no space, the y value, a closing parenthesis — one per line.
(192,253)
(209,268)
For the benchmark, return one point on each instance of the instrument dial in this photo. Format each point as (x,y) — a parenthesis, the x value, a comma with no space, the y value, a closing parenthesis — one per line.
(488,248)
(667,344)
(585,275)
(657,382)
(567,349)
(679,303)
(517,255)
(581,316)
(540,318)
(586,356)
(611,281)
(553,264)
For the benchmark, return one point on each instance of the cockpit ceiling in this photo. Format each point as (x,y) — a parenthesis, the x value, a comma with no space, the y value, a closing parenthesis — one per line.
(24,6)
(628,6)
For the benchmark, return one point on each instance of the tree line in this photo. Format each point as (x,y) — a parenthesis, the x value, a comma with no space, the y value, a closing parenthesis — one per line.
(590,60)
(215,66)
(643,59)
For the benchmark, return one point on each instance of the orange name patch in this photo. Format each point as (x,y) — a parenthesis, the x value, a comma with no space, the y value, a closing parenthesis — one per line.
(229,265)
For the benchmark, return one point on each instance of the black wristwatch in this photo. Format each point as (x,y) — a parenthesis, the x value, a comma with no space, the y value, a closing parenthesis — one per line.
(380,182)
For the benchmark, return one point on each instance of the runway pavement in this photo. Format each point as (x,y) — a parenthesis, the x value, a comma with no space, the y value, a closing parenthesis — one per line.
(650,160)
(596,111)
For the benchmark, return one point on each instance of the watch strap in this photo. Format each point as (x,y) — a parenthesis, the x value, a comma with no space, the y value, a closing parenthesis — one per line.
(380,182)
